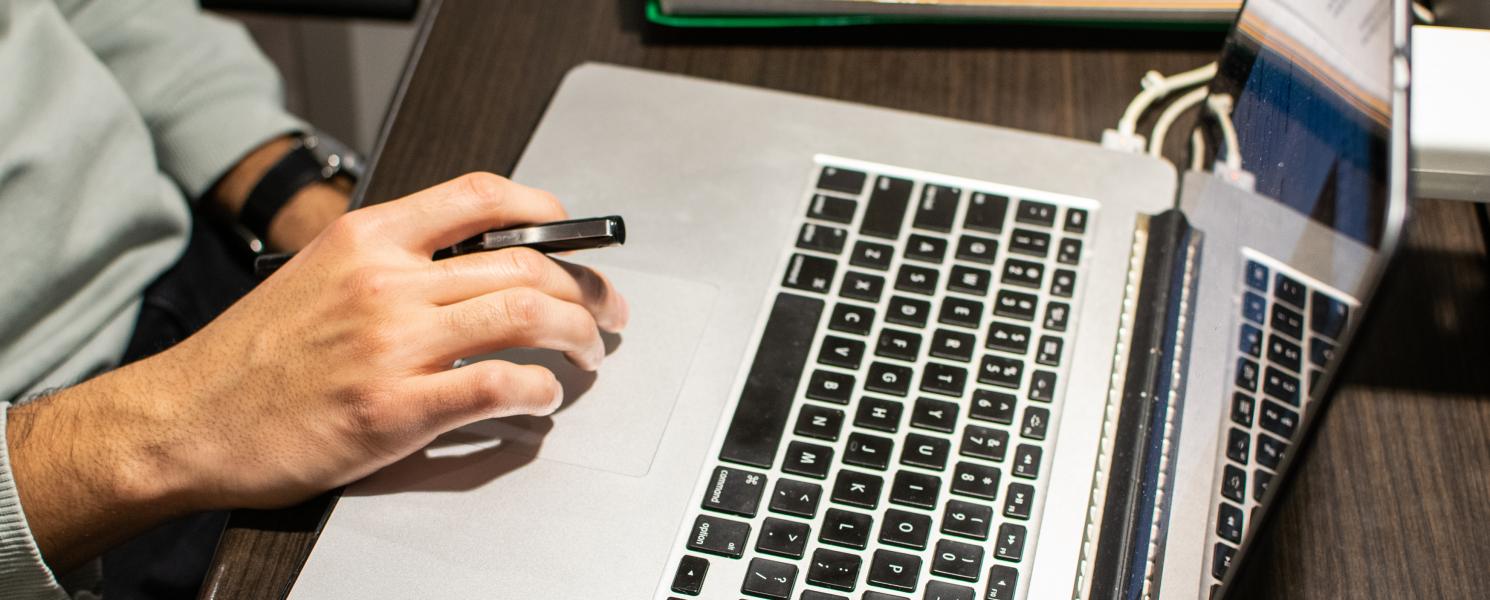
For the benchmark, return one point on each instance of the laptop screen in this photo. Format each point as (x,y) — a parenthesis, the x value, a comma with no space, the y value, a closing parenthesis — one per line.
(1311,81)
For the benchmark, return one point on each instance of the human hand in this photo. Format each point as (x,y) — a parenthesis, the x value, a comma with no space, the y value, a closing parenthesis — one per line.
(334,367)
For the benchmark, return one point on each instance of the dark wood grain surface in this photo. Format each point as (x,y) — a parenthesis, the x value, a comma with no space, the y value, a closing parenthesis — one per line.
(1393,500)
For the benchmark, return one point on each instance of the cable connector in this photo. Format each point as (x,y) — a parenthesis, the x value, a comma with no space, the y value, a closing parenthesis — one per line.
(1131,143)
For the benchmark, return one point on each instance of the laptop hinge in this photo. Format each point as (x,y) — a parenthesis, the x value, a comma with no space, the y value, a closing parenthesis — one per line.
(1139,466)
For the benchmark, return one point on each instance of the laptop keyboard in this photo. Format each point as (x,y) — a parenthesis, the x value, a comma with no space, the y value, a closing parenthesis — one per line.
(894,430)
(1289,328)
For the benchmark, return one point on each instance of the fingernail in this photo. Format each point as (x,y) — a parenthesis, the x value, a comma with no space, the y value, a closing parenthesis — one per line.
(558,401)
(597,356)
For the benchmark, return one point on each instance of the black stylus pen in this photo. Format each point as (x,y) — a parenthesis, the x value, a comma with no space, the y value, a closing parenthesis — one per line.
(559,236)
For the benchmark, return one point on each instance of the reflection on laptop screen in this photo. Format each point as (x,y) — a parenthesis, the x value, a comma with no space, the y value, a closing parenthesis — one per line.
(1311,81)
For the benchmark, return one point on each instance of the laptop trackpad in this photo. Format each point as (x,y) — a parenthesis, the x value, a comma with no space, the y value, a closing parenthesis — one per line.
(612,419)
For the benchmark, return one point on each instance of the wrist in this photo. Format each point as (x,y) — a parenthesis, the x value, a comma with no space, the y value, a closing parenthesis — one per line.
(308,212)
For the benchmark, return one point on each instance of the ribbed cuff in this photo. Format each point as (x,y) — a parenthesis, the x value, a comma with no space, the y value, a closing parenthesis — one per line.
(200,147)
(23,575)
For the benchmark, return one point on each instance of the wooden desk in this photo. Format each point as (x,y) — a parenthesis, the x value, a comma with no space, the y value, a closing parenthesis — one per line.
(1392,501)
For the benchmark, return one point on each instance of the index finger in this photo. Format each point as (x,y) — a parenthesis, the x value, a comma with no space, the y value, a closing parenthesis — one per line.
(452,211)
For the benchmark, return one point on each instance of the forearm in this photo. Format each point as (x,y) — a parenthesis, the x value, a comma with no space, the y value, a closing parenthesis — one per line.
(93,464)
(301,219)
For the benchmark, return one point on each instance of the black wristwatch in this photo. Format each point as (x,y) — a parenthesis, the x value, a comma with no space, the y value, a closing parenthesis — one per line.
(313,158)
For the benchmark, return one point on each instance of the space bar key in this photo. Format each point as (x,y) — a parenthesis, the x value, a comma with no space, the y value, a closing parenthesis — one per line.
(760,418)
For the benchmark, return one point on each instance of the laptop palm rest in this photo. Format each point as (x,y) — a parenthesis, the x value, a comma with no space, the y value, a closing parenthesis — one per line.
(612,420)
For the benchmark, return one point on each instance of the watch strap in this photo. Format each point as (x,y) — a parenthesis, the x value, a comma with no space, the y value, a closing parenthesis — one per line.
(295,170)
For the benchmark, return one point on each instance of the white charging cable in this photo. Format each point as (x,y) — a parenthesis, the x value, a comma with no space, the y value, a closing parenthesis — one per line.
(1156,87)
(1170,115)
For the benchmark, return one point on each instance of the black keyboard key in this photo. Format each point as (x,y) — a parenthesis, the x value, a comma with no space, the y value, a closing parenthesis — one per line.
(1250,342)
(821,238)
(1328,316)
(941,590)
(1023,273)
(1001,371)
(1229,523)
(862,286)
(716,535)
(846,528)
(1035,213)
(1221,560)
(810,273)
(735,491)
(975,480)
(985,212)
(1008,337)
(949,380)
(1270,451)
(1242,407)
(689,578)
(913,489)
(871,451)
(841,352)
(1246,374)
(1019,500)
(1254,307)
(765,404)
(905,529)
(783,538)
(1279,384)
(895,570)
(1260,481)
(767,578)
(937,208)
(832,208)
(871,255)
(1036,421)
(851,318)
(926,248)
(1057,316)
(1234,484)
(920,280)
(797,498)
(984,443)
(807,460)
(935,415)
(1288,321)
(1002,582)
(1285,353)
(841,180)
(1314,378)
(873,595)
(989,405)
(1010,542)
(911,312)
(1048,353)
(879,414)
(1042,386)
(819,422)
(1257,276)
(969,280)
(897,344)
(961,312)
(890,379)
(830,386)
(952,345)
(925,451)
(1027,461)
(1069,252)
(957,561)
(1321,352)
(1076,220)
(1278,419)
(816,595)
(1031,243)
(1063,283)
(1238,445)
(888,200)
(967,519)
(857,489)
(834,570)
(1285,288)
(976,249)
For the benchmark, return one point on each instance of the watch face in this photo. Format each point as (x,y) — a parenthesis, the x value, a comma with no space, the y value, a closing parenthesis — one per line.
(336,157)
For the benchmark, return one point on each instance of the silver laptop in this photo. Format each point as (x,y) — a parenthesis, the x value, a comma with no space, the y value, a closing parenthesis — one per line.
(882,355)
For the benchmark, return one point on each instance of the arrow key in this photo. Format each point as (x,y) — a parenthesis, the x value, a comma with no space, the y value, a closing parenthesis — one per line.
(690,576)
